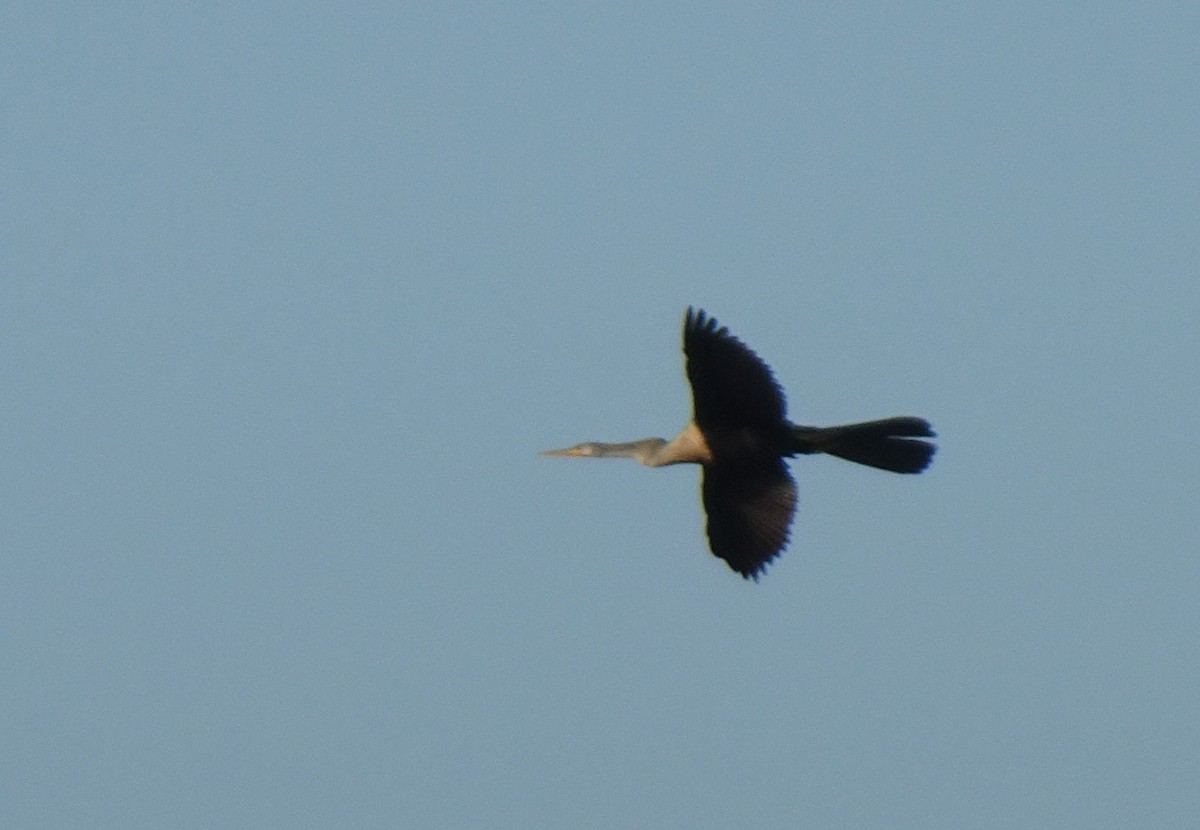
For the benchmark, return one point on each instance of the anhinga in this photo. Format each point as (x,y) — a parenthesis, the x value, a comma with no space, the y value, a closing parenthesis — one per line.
(740,434)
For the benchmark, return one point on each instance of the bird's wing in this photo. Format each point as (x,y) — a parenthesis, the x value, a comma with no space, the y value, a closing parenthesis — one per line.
(731,385)
(750,508)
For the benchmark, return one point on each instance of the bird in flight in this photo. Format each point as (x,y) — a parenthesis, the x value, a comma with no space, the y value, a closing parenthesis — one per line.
(740,434)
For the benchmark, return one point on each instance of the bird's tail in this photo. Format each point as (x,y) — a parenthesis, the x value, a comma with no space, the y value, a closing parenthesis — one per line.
(890,444)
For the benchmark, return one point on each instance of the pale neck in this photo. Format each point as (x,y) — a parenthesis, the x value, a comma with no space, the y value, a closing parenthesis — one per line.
(644,450)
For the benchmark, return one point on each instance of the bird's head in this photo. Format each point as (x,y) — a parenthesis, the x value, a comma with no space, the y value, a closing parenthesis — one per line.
(585,449)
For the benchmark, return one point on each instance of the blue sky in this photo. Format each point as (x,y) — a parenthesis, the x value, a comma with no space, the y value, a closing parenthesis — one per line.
(290,298)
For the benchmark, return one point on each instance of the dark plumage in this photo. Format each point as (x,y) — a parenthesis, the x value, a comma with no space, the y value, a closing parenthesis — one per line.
(740,434)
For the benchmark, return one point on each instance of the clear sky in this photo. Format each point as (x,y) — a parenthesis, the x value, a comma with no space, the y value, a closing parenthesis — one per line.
(291,296)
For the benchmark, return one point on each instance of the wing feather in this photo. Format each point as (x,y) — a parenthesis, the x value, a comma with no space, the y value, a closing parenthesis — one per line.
(732,387)
(750,508)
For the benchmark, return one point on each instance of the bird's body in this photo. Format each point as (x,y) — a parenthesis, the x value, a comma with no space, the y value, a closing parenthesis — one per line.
(740,434)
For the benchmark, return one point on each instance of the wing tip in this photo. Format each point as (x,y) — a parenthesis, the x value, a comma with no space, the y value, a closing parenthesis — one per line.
(698,320)
(753,572)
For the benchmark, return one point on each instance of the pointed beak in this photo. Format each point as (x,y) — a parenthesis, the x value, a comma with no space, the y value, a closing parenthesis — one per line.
(569,451)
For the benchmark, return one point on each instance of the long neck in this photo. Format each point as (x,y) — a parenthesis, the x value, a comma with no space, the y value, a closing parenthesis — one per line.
(644,450)
(688,447)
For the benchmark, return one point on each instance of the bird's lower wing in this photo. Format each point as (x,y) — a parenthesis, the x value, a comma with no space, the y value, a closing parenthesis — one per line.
(749,508)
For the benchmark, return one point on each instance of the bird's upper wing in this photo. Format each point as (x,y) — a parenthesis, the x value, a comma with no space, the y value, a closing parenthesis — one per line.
(731,385)
(749,509)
